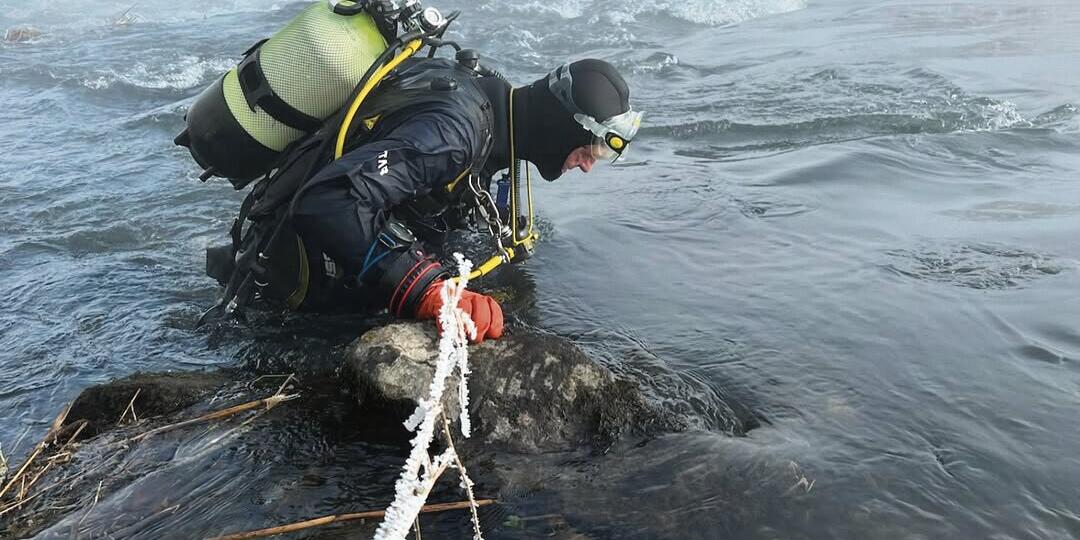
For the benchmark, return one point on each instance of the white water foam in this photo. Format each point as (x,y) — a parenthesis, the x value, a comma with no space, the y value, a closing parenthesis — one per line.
(53,16)
(707,12)
(731,11)
(188,72)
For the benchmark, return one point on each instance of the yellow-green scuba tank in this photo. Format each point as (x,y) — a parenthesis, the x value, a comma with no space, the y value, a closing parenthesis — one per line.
(283,89)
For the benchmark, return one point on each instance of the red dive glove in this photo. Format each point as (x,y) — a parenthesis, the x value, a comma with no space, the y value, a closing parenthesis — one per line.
(484,311)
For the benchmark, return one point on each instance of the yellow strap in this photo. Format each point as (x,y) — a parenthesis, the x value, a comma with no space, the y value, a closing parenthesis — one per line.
(488,266)
(405,53)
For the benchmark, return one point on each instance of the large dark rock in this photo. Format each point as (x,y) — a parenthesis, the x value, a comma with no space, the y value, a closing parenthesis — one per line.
(155,394)
(528,392)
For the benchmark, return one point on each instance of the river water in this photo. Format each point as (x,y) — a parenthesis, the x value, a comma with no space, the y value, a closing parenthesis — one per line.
(858,218)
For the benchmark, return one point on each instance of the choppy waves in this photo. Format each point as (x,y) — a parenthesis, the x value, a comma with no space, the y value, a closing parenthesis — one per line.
(836,105)
(52,16)
(975,266)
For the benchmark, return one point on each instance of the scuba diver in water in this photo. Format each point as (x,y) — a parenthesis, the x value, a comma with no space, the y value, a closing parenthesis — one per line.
(352,228)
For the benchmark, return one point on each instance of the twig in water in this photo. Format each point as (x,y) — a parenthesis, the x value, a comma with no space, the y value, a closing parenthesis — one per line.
(57,457)
(130,407)
(93,504)
(269,403)
(328,520)
(416,527)
(261,377)
(26,486)
(62,453)
(82,426)
(18,504)
(281,389)
(466,482)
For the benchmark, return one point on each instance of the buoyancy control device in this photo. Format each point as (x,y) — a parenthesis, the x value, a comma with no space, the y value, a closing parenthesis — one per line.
(288,85)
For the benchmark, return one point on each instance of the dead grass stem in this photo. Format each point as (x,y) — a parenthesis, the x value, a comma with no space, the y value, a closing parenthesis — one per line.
(329,520)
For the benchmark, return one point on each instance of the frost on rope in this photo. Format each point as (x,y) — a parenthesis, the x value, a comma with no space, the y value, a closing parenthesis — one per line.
(421,471)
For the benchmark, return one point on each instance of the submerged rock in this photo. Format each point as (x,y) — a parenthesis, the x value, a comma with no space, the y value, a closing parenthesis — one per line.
(150,394)
(20,34)
(93,452)
(528,392)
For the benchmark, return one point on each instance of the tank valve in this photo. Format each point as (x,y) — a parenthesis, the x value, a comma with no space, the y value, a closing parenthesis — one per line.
(431,19)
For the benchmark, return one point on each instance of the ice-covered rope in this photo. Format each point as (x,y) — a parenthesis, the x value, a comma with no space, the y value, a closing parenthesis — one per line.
(421,471)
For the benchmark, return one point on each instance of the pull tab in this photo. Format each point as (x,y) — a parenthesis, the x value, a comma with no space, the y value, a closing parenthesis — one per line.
(502,197)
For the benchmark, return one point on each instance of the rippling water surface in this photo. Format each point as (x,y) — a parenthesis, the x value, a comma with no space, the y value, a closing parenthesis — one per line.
(857,218)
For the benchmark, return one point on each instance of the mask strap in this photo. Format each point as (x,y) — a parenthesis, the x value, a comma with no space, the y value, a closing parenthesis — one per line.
(561,85)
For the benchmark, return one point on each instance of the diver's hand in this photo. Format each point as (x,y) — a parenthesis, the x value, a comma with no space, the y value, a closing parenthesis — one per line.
(485,312)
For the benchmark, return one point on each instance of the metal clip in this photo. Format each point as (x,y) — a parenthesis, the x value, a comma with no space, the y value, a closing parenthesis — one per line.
(485,206)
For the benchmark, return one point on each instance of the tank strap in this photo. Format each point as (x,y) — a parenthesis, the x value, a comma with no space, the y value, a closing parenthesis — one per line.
(258,93)
(238,224)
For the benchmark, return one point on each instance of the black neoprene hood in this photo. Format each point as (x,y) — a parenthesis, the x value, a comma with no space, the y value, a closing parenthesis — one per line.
(546,130)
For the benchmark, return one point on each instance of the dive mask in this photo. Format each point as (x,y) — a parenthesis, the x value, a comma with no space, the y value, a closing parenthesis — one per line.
(612,136)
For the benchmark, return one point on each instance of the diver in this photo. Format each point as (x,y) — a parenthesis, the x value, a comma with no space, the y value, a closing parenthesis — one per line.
(567,120)
(358,228)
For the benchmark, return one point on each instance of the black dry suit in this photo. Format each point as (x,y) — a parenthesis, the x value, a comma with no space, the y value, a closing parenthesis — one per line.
(317,241)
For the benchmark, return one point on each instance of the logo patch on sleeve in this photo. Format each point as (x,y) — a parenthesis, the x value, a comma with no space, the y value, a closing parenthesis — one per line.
(384,163)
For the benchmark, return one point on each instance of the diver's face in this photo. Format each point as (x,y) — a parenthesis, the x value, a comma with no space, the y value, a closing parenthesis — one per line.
(581,158)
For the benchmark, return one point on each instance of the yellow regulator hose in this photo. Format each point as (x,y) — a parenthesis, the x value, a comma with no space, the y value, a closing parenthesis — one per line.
(409,50)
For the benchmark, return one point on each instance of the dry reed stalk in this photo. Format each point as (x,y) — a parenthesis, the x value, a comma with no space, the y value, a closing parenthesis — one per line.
(18,504)
(279,376)
(465,480)
(56,457)
(130,407)
(61,453)
(268,403)
(97,495)
(25,488)
(329,520)
(20,477)
(82,425)
(51,434)
(281,389)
